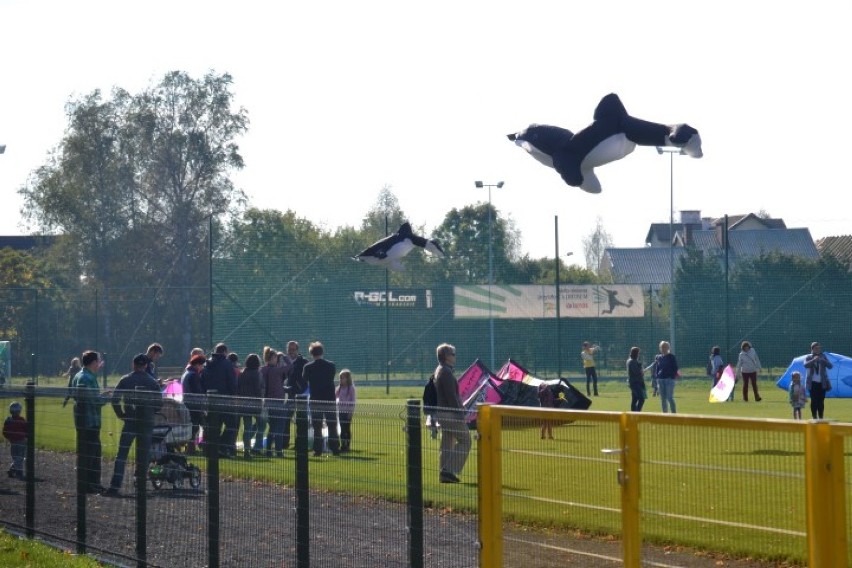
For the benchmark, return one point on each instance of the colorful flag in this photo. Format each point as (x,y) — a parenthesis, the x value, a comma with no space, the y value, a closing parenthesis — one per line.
(724,386)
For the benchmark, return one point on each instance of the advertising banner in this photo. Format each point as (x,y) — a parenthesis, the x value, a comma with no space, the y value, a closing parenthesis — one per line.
(539,301)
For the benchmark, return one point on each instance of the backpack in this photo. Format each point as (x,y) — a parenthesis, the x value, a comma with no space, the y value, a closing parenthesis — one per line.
(430,396)
(710,372)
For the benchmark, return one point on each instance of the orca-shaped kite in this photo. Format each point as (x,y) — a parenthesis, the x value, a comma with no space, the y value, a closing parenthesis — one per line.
(389,251)
(611,136)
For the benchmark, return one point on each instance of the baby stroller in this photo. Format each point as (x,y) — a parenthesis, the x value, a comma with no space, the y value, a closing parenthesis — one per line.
(172,431)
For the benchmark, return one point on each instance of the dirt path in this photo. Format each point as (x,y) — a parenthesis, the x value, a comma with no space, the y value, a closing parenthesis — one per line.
(258,528)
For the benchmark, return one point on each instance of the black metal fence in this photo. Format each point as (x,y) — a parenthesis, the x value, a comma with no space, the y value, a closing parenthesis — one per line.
(360,508)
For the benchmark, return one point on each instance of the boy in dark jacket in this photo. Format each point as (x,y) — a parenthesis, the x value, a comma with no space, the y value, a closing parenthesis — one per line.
(15,430)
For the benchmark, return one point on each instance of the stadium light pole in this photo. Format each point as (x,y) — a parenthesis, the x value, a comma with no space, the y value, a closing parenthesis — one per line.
(671,152)
(498,185)
(558,300)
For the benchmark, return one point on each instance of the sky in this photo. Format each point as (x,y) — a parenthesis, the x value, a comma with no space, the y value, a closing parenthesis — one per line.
(345,98)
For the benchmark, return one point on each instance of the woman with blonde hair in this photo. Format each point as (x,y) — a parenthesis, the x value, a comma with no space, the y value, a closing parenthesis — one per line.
(666,372)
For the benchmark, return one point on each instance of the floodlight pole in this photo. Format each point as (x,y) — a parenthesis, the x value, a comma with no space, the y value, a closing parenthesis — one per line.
(671,152)
(558,300)
(498,185)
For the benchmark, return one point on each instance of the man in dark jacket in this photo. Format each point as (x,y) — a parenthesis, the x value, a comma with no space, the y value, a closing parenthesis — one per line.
(320,374)
(295,385)
(193,395)
(135,400)
(218,375)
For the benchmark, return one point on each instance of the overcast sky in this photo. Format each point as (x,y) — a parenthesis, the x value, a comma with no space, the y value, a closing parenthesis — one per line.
(347,97)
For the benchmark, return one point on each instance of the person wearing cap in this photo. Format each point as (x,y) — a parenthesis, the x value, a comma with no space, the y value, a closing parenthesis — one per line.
(587,356)
(817,383)
(15,430)
(135,400)
(193,394)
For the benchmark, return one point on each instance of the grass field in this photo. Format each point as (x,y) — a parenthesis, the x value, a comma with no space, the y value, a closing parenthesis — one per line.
(21,553)
(740,492)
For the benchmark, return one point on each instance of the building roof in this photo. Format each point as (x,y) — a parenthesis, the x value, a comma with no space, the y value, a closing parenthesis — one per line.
(26,242)
(651,265)
(791,242)
(838,247)
(646,265)
(736,220)
(663,232)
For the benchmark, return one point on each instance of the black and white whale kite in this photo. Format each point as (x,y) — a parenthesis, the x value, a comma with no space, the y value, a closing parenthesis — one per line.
(389,251)
(611,136)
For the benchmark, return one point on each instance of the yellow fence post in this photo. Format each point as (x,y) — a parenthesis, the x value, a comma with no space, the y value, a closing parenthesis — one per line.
(826,515)
(839,538)
(490,487)
(629,480)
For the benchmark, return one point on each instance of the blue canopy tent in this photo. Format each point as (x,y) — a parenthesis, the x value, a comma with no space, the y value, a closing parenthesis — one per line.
(840,375)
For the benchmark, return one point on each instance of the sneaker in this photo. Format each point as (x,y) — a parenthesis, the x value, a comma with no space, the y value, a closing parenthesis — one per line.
(112,492)
(758,399)
(449,477)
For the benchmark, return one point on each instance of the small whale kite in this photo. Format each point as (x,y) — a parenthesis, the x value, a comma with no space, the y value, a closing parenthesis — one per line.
(389,251)
(611,136)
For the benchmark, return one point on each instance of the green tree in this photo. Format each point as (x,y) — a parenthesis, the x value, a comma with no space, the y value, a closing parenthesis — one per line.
(186,131)
(24,287)
(85,190)
(465,237)
(132,184)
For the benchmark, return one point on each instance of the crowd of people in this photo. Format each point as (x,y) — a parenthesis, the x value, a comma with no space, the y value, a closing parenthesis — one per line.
(259,398)
(665,373)
(221,395)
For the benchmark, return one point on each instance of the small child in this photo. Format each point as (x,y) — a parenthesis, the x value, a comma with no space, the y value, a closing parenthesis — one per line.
(547,400)
(346,398)
(798,395)
(15,430)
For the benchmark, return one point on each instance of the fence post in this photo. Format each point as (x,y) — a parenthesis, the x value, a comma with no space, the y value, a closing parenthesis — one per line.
(303,521)
(82,485)
(415,484)
(489,464)
(630,482)
(211,447)
(29,401)
(839,536)
(826,514)
(144,425)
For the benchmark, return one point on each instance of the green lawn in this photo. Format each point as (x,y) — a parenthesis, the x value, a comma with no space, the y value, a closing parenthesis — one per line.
(701,486)
(22,553)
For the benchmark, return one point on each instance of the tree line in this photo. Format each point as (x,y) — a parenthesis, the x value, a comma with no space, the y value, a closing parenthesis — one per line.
(148,225)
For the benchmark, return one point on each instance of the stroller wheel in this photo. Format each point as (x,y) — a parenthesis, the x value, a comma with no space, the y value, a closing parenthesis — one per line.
(157,483)
(178,482)
(195,477)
